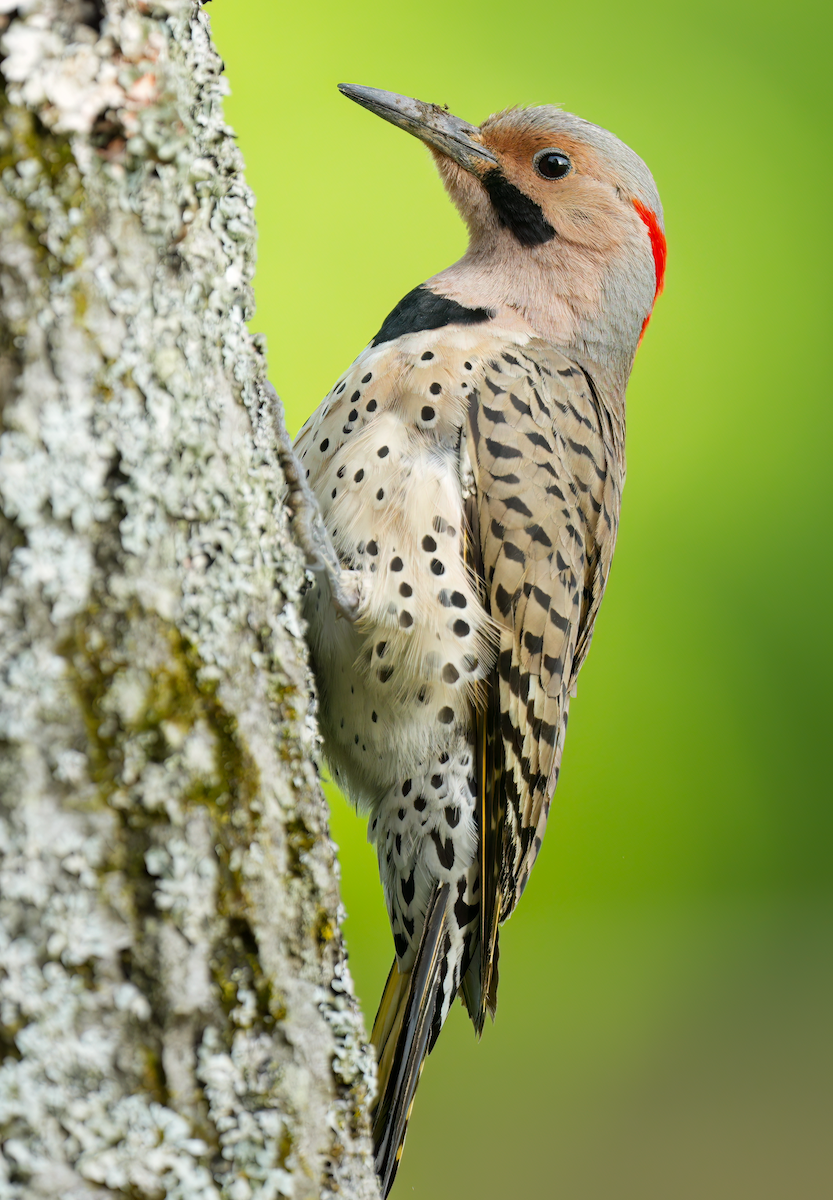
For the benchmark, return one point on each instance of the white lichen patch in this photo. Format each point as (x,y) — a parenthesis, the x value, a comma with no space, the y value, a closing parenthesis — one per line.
(176,1014)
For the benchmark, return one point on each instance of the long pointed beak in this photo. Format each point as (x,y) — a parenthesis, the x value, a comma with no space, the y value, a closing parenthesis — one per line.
(431,124)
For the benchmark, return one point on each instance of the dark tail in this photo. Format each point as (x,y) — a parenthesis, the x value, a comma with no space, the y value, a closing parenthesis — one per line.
(402,1036)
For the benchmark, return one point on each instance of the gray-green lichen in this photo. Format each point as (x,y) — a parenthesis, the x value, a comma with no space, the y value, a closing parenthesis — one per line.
(176,1014)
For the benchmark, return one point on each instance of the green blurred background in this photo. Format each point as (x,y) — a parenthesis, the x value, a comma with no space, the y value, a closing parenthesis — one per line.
(664,1028)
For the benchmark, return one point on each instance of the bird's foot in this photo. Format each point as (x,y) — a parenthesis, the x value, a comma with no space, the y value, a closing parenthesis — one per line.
(308,528)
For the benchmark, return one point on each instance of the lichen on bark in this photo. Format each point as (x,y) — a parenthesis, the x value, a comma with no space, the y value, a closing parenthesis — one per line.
(176,1012)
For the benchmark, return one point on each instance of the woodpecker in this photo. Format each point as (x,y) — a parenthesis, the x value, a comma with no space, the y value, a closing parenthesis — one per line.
(459,489)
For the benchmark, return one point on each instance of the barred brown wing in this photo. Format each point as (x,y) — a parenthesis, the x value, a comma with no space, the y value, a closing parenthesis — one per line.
(548,468)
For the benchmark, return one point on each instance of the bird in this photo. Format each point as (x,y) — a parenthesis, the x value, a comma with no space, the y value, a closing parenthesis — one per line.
(458,493)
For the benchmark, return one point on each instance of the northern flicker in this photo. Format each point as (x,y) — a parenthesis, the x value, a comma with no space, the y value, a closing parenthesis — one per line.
(468,468)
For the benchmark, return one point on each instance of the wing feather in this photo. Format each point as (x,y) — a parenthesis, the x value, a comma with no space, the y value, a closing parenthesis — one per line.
(548,466)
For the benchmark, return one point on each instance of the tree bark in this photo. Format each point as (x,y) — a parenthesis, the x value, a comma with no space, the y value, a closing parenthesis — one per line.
(176,1014)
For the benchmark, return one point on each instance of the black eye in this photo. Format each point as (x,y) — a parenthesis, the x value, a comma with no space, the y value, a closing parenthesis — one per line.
(552,164)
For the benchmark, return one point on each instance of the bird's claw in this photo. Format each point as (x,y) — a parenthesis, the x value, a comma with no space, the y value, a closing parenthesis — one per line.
(307,524)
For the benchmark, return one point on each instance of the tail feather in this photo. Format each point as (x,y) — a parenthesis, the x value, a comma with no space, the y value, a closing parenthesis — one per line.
(388,1022)
(401,1034)
(479,1001)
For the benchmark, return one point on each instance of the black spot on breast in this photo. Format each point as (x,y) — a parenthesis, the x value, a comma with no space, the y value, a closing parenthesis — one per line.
(458,599)
(405,590)
(420,803)
(428,413)
(445,850)
(427,356)
(384,674)
(436,782)
(400,944)
(452,815)
(367,378)
(406,787)
(324,445)
(450,673)
(372,549)
(408,888)
(516,211)
(435,389)
(429,544)
(405,619)
(422,309)
(396,563)
(359,476)
(465,913)
(383,452)
(371,406)
(445,716)
(461,628)
(437,567)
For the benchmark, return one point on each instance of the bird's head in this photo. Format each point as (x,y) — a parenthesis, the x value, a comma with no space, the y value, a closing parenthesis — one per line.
(565,221)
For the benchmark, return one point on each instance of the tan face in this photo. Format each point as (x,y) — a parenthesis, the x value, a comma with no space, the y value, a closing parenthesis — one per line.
(566,179)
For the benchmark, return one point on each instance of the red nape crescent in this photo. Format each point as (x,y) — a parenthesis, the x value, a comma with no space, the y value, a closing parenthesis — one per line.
(660,252)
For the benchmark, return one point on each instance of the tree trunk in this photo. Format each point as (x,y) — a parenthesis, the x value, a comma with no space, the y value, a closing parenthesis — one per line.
(176,1014)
